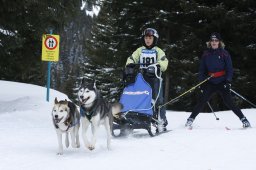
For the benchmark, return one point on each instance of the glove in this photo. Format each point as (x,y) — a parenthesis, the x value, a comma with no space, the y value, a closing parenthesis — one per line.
(227,85)
(151,68)
(202,87)
(151,71)
(129,70)
(158,67)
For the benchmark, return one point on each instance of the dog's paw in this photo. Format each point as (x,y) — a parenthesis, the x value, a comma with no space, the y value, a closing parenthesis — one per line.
(91,147)
(60,153)
(74,145)
(67,144)
(109,148)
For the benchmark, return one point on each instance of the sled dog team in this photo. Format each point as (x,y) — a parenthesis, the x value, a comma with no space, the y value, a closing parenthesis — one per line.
(94,110)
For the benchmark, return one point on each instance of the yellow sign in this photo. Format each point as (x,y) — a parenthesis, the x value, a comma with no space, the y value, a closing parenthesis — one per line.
(50,47)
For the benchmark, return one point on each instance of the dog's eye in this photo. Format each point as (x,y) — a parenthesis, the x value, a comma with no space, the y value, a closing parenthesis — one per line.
(87,91)
(54,110)
(66,109)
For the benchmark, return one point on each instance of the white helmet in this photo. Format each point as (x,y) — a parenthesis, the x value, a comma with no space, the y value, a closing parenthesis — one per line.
(150,32)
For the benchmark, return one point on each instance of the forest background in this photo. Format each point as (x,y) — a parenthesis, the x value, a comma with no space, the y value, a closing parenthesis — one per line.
(97,46)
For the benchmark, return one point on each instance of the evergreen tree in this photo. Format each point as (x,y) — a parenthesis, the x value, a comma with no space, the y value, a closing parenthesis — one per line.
(72,54)
(184,27)
(22,24)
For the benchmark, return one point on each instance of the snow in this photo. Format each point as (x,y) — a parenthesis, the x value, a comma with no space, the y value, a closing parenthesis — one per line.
(7,32)
(28,139)
(94,11)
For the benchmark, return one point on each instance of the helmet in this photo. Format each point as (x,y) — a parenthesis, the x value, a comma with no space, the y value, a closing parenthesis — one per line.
(150,32)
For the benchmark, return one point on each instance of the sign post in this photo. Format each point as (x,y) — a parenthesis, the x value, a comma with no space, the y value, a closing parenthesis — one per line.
(50,52)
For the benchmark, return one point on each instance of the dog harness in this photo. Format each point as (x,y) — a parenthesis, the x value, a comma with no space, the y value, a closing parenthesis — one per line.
(86,114)
(68,123)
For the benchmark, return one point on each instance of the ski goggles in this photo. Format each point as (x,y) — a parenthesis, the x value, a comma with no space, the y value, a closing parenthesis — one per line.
(149,32)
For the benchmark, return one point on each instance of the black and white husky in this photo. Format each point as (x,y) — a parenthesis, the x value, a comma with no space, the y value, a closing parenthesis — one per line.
(95,110)
(66,119)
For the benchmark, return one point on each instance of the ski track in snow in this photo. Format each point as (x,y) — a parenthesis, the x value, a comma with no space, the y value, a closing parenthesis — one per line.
(28,139)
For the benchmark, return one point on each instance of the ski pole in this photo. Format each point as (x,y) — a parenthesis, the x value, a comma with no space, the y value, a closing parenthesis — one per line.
(213,111)
(188,91)
(242,97)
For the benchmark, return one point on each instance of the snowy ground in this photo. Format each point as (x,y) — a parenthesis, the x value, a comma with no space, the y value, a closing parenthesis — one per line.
(28,140)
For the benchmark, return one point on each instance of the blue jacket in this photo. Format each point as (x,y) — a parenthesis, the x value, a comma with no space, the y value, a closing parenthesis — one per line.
(215,60)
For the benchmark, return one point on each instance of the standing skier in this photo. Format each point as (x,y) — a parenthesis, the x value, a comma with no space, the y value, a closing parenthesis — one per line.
(150,54)
(216,62)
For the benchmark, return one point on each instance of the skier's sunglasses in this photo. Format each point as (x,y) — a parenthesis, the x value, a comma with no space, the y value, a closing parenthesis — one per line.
(215,40)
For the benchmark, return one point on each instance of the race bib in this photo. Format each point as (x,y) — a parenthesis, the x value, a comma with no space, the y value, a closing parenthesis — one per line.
(147,57)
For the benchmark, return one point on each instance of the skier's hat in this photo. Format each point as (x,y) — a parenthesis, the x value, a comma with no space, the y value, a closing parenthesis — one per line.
(215,35)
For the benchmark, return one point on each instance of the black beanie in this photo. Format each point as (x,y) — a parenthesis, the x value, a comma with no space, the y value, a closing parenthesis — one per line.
(215,35)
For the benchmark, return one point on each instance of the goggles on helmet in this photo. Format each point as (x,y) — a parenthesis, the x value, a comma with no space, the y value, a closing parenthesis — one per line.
(149,32)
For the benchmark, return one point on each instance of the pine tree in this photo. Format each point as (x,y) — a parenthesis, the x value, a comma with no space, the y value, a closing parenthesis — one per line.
(72,54)
(25,22)
(184,27)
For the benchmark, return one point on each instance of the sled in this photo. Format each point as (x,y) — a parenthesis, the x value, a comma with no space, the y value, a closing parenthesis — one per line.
(138,111)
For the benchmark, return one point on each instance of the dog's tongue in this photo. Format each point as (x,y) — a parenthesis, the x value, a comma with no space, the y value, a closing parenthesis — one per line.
(58,120)
(85,100)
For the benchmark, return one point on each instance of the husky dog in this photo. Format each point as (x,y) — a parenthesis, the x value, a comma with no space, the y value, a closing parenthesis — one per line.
(66,119)
(95,110)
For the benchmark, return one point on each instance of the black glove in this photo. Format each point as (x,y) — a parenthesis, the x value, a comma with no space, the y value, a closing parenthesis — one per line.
(202,87)
(129,75)
(227,85)
(152,70)
(158,66)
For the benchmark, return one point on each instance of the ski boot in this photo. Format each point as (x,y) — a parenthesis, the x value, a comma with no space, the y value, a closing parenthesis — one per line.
(189,123)
(162,127)
(246,123)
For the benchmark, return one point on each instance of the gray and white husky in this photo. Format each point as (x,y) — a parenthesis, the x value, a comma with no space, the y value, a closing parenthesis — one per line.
(66,119)
(94,111)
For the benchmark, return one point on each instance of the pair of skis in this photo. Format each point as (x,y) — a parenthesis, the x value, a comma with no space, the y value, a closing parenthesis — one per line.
(226,128)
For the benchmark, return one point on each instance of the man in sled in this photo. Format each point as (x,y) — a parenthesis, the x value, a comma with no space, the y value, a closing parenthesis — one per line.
(147,56)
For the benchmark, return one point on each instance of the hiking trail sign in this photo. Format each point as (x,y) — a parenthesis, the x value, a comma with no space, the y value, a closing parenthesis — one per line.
(50,47)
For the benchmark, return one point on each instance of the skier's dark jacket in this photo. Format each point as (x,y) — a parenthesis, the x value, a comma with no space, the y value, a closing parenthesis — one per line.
(216,60)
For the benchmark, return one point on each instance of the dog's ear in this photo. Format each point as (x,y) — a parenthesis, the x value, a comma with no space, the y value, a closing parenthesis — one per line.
(83,80)
(94,84)
(65,101)
(56,100)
